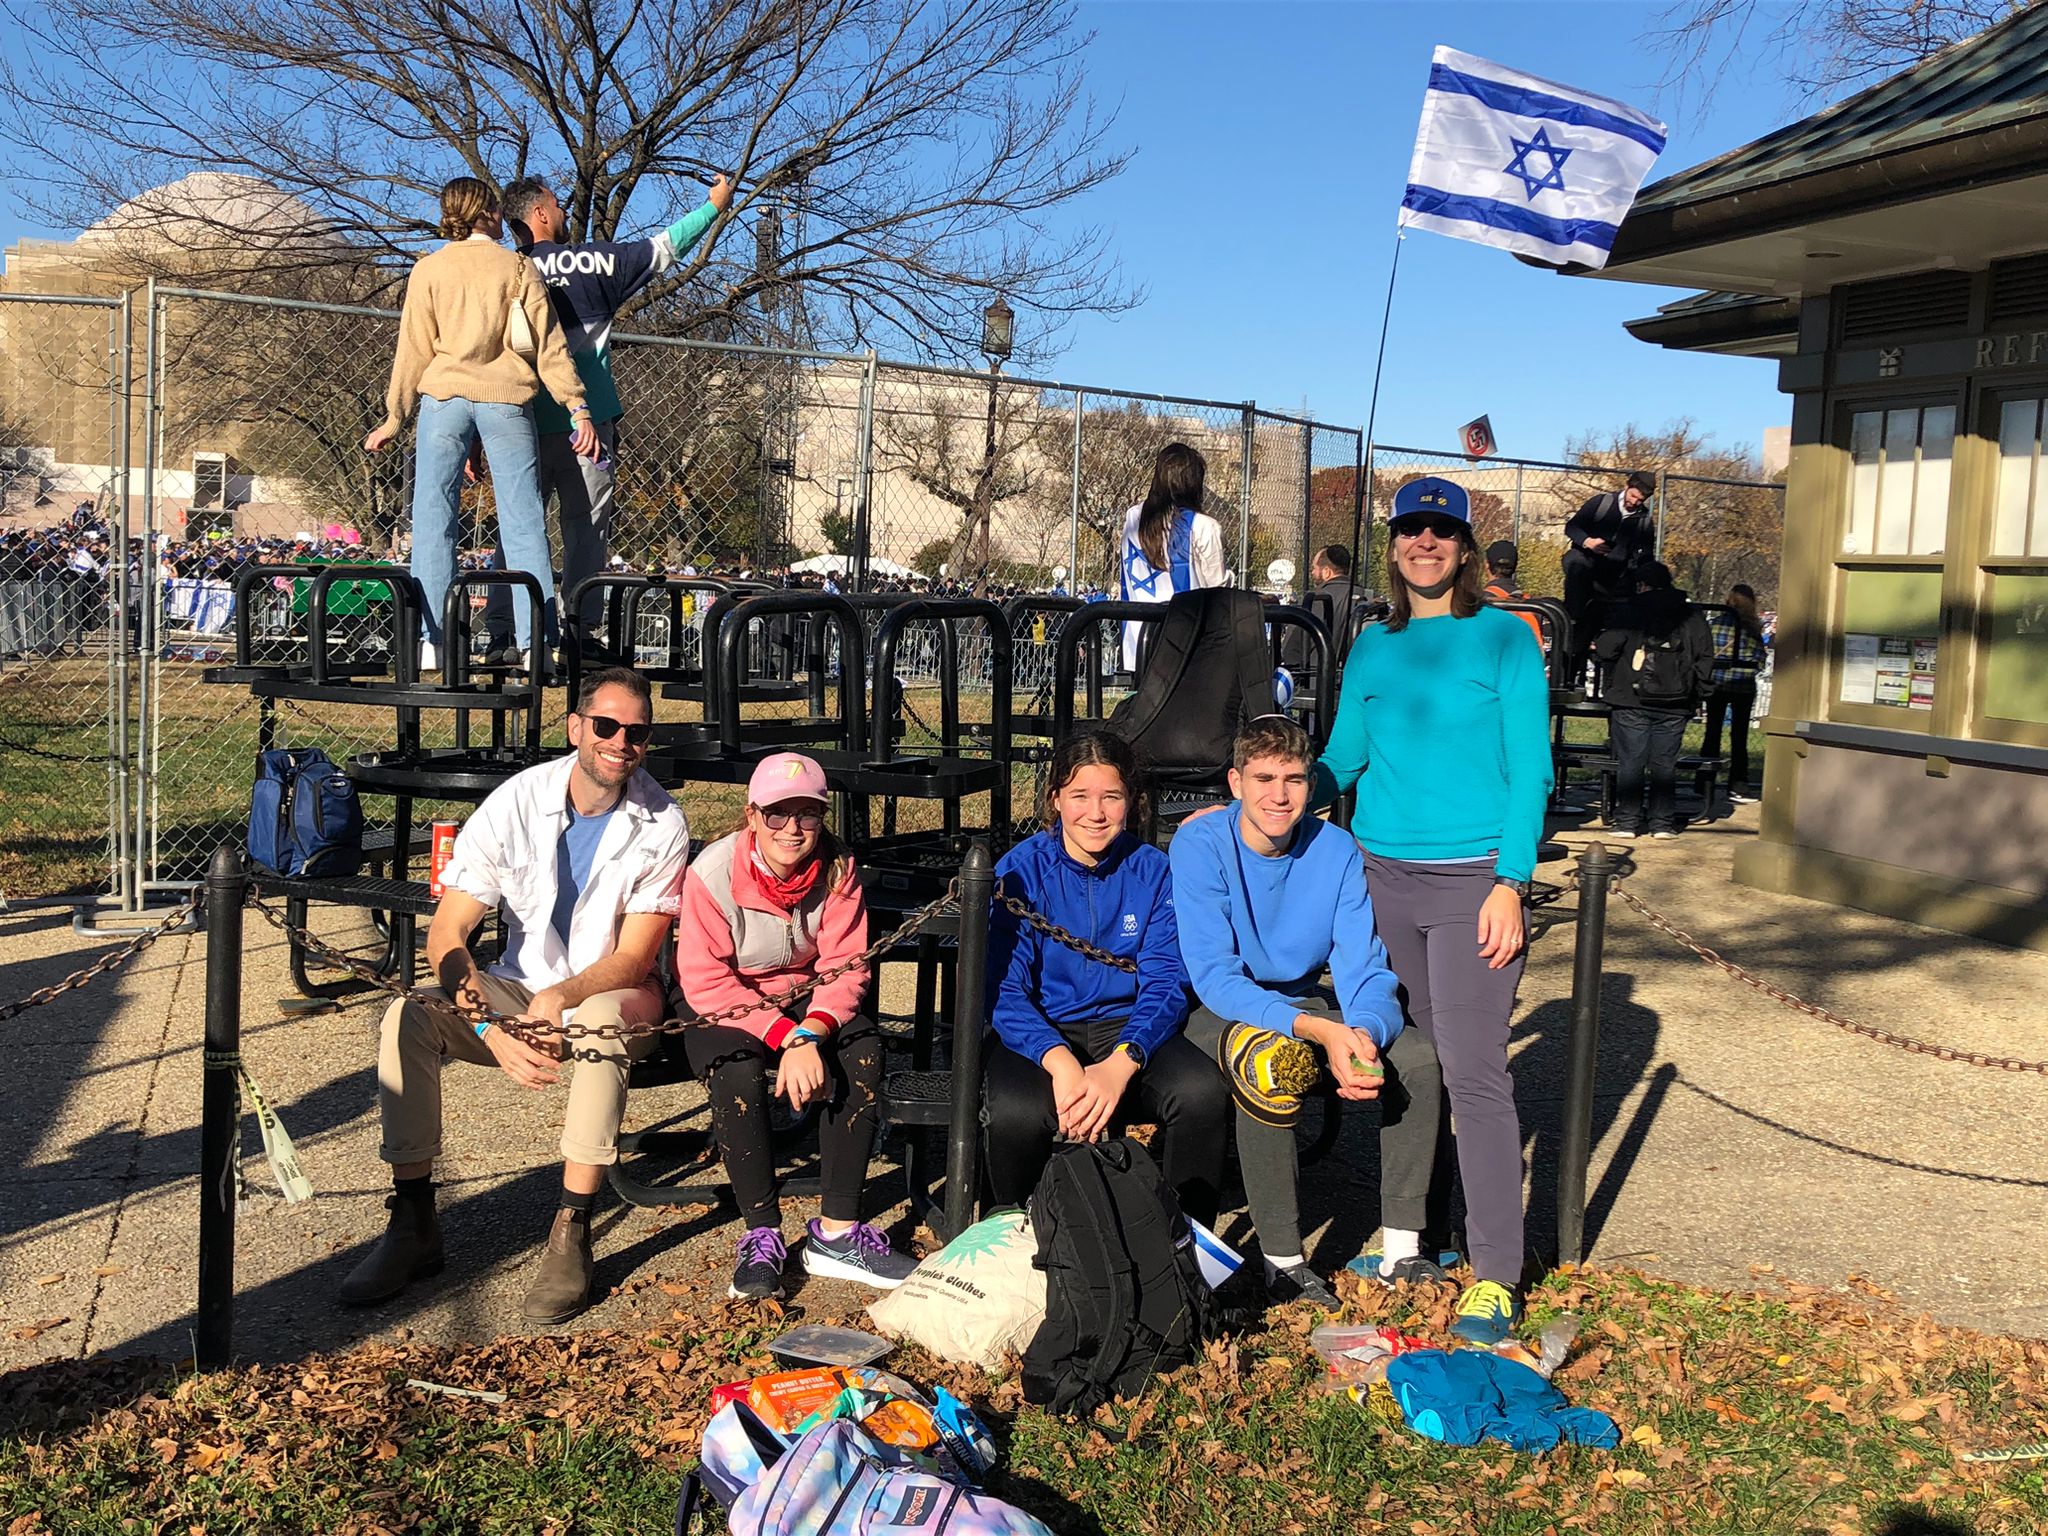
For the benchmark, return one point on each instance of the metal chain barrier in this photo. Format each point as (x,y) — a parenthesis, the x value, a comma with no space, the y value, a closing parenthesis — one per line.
(8,744)
(472,1009)
(1679,936)
(1022,911)
(916,719)
(205,728)
(113,960)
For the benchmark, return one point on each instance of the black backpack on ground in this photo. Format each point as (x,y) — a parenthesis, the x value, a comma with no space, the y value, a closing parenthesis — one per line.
(1208,672)
(1124,1297)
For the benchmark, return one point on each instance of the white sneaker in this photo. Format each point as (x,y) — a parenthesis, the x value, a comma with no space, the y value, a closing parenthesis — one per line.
(1738,797)
(1662,837)
(1627,834)
(430,657)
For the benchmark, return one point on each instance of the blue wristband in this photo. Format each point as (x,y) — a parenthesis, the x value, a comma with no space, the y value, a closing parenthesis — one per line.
(486,1024)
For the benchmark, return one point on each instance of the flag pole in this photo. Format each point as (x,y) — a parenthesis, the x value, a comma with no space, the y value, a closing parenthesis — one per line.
(1361,502)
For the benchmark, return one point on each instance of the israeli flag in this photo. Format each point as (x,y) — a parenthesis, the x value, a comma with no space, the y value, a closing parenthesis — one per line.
(1509,160)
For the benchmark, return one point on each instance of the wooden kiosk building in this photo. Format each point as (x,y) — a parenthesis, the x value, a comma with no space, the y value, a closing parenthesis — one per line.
(1891,253)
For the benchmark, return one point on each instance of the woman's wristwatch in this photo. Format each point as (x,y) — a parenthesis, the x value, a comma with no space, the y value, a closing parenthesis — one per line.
(1519,887)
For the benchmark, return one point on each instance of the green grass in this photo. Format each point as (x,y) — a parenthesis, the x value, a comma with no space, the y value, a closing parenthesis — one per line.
(53,754)
(1797,1413)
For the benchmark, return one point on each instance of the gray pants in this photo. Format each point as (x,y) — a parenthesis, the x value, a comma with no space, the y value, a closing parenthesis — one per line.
(584,492)
(1269,1159)
(1428,917)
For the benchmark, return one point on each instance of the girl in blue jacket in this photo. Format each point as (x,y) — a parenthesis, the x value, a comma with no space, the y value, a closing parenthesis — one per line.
(1082,1046)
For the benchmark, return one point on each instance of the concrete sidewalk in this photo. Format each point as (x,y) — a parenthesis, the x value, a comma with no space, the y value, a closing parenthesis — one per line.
(1731,1132)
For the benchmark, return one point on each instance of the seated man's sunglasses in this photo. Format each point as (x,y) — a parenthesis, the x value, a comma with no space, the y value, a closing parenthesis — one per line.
(606,728)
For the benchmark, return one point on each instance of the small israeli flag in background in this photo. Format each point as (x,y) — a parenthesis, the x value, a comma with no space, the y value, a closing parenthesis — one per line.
(1509,160)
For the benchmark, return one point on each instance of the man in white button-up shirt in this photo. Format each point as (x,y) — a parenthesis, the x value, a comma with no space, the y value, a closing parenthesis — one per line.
(586,856)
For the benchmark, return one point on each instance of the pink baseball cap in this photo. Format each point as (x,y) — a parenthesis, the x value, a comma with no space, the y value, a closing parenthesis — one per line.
(787,776)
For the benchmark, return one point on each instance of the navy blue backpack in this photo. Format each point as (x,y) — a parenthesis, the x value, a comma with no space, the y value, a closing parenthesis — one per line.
(304,818)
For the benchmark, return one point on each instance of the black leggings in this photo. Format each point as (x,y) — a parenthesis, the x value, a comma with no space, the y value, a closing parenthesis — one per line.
(1180,1090)
(733,1066)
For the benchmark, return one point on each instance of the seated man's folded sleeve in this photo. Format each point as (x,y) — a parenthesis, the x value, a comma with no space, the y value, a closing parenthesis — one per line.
(659,887)
(476,867)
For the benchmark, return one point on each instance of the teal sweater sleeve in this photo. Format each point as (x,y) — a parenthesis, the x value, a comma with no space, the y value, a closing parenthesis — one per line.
(689,229)
(1525,751)
(1345,756)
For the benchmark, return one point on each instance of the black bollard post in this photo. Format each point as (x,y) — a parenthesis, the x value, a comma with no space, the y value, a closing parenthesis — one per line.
(220,1113)
(1582,1053)
(970,1018)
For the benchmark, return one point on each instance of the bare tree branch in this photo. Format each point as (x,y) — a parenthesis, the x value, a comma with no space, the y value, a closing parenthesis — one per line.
(923,154)
(1819,46)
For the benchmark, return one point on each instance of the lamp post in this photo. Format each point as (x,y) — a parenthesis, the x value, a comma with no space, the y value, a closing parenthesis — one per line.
(998,340)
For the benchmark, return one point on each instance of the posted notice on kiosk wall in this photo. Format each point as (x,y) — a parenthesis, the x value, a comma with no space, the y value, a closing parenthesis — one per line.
(1859,669)
(1888,669)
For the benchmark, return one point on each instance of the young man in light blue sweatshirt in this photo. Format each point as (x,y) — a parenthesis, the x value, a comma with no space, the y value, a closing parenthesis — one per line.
(1268,898)
(588,280)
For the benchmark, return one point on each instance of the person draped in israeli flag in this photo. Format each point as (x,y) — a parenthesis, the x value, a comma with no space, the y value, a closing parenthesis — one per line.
(1510,160)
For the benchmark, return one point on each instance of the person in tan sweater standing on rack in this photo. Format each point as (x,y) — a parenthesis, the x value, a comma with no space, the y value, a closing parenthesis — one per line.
(476,339)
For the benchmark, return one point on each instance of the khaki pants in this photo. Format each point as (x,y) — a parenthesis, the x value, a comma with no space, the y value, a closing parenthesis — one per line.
(415,1041)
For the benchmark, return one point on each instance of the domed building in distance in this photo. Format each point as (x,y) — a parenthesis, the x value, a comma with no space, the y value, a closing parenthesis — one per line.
(62,366)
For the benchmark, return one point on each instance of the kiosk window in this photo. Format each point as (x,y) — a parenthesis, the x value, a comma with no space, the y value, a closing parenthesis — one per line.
(1898,480)
(2020,523)
(1891,621)
(2016,657)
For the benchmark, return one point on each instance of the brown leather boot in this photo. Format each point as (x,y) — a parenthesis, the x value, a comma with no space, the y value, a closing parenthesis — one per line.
(409,1249)
(562,1288)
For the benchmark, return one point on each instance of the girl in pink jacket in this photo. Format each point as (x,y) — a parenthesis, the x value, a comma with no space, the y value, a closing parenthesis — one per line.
(764,910)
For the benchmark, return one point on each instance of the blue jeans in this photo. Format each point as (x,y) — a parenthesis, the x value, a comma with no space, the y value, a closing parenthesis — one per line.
(445,432)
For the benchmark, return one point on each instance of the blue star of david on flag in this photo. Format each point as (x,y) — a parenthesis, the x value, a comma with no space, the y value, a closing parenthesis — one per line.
(1538,144)
(1458,185)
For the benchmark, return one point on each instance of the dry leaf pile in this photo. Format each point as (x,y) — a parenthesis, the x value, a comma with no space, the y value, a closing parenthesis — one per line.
(1809,1412)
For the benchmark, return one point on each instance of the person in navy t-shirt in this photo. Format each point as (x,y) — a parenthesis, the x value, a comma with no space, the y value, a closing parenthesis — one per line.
(588,281)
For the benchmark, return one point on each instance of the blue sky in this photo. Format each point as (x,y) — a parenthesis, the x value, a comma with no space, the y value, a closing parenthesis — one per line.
(1273,140)
(1273,143)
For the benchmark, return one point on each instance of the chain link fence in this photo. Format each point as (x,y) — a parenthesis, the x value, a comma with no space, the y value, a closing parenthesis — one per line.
(70,592)
(741,463)
(1711,531)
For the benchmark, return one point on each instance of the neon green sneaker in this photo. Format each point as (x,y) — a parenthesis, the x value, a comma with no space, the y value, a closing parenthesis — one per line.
(1487,1313)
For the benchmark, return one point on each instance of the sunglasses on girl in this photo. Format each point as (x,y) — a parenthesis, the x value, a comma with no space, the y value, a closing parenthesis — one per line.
(606,727)
(1442,527)
(809,821)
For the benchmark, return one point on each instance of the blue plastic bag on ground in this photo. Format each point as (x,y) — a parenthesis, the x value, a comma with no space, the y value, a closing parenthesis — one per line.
(1466,1396)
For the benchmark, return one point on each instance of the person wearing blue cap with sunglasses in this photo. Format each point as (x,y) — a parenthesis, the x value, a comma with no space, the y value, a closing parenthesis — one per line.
(1443,726)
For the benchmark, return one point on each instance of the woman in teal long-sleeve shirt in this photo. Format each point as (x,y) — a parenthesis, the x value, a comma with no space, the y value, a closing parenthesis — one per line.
(1443,725)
